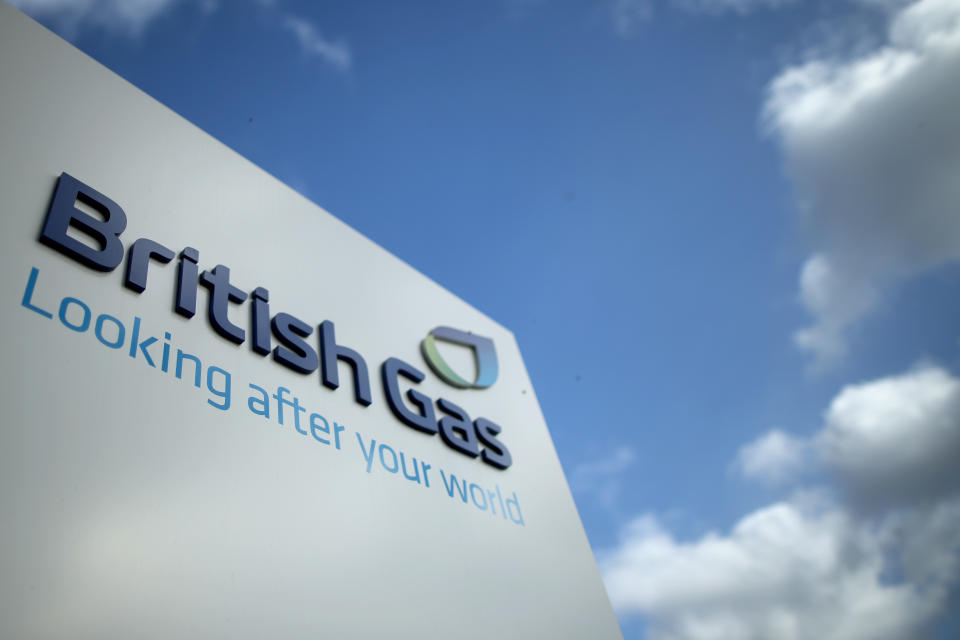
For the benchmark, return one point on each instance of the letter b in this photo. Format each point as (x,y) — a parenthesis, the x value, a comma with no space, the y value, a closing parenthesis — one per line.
(64,213)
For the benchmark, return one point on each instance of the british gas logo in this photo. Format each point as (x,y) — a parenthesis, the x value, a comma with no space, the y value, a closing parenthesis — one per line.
(484,356)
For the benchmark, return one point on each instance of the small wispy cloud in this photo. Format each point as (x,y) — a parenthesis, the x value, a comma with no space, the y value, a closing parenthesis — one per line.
(313,43)
(123,17)
(741,7)
(599,478)
(630,15)
(773,458)
(519,9)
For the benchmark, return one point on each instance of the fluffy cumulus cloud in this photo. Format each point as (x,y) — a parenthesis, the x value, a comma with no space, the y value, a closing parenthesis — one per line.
(877,562)
(897,439)
(872,144)
(791,571)
(124,16)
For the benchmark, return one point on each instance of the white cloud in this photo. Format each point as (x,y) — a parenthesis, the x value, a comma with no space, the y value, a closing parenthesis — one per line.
(616,462)
(600,478)
(742,7)
(888,442)
(128,17)
(872,144)
(773,457)
(793,570)
(880,565)
(312,43)
(896,439)
(837,296)
(131,17)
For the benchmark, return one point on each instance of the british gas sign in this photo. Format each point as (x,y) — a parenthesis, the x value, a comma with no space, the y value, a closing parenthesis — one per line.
(99,247)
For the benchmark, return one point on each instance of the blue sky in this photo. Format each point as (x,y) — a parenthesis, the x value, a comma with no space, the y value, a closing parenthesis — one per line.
(725,233)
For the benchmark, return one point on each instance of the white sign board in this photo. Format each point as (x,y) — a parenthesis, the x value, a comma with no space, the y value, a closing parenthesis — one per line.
(172,463)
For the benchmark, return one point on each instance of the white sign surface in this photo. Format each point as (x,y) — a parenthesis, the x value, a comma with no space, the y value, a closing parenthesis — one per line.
(139,503)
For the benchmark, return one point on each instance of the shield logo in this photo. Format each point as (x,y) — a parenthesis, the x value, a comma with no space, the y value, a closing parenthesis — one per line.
(484,355)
